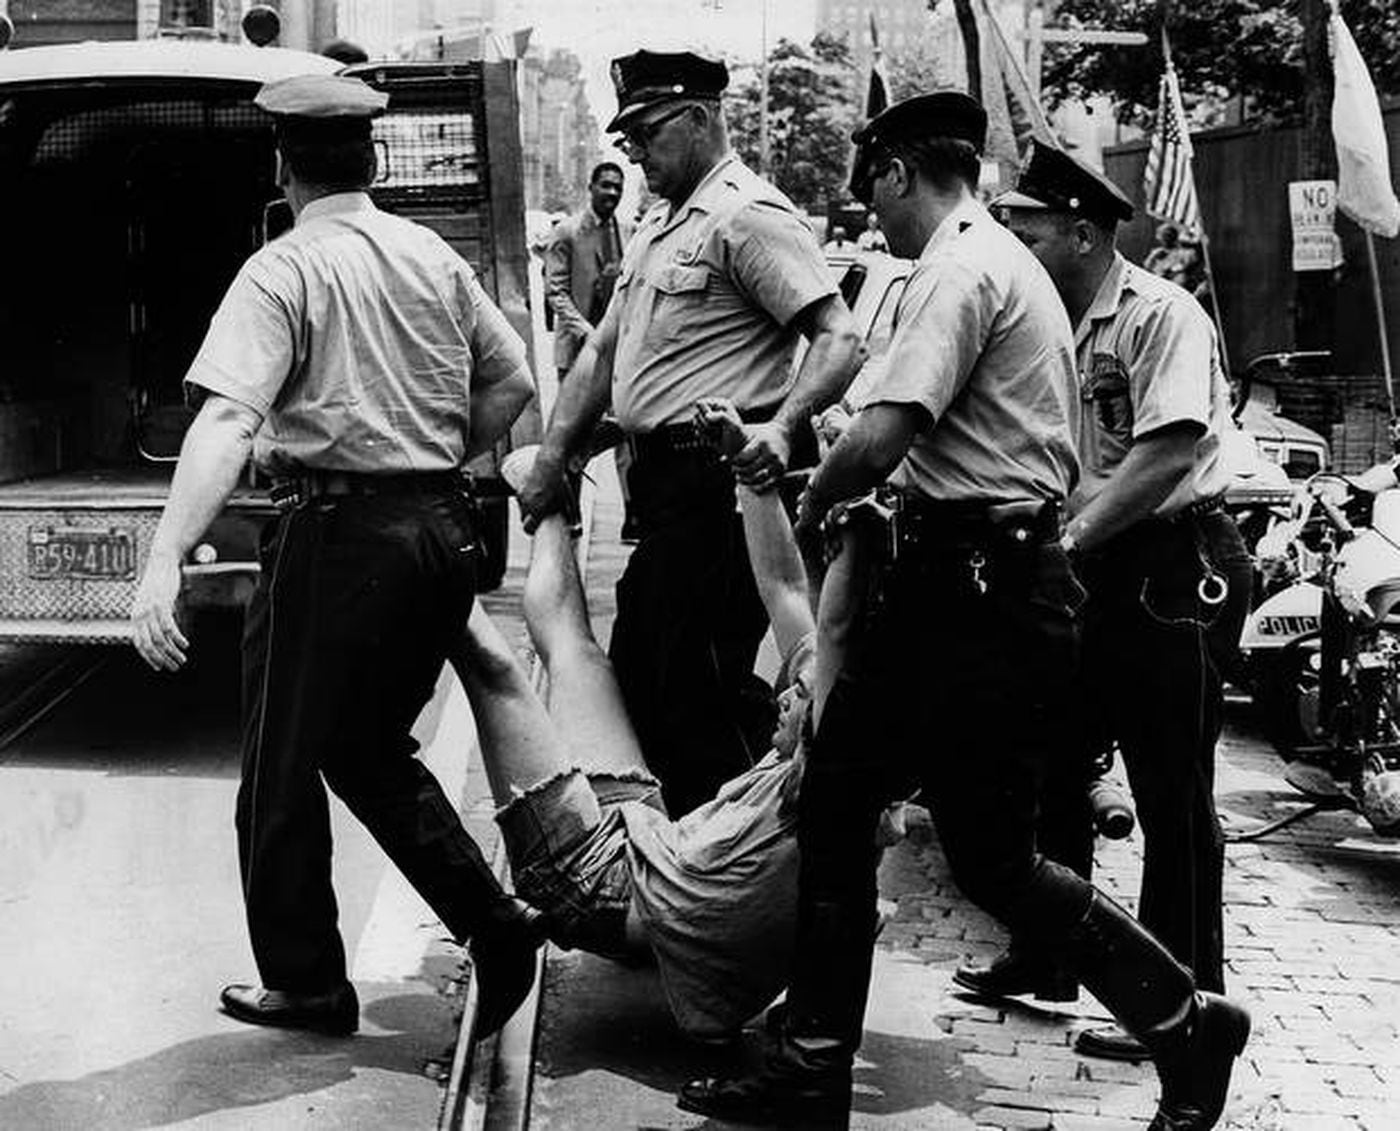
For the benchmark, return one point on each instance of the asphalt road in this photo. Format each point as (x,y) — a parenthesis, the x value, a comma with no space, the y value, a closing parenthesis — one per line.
(121,918)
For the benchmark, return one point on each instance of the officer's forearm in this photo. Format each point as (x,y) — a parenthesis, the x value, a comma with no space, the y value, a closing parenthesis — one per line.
(584,395)
(494,409)
(212,457)
(1151,470)
(862,458)
(835,353)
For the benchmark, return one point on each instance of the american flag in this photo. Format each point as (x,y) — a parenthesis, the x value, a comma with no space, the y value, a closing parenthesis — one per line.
(1168,183)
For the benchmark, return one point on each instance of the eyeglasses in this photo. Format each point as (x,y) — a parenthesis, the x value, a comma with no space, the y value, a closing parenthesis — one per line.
(640,137)
(868,171)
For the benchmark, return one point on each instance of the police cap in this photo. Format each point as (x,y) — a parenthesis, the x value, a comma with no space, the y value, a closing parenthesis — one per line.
(1054,181)
(649,78)
(943,113)
(322,98)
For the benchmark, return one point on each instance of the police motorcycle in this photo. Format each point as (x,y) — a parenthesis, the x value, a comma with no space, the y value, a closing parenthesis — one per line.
(1322,654)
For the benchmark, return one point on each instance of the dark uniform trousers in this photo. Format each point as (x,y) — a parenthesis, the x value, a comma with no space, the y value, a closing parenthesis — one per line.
(1155,656)
(958,684)
(346,635)
(688,626)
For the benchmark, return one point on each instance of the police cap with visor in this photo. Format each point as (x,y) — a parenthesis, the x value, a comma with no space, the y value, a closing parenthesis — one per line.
(944,113)
(645,79)
(1053,181)
(322,106)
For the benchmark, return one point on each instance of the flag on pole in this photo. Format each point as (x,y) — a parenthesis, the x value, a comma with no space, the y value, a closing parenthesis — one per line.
(1014,113)
(1169,183)
(1364,191)
(878,95)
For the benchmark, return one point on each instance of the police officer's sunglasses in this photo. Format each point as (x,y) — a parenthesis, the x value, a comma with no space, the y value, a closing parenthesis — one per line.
(641,136)
(870,166)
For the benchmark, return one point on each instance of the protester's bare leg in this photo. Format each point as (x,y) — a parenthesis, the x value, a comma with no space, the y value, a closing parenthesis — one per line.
(520,745)
(584,699)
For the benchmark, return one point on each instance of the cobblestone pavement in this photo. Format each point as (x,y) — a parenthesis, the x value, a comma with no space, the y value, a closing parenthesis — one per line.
(1312,938)
(1312,941)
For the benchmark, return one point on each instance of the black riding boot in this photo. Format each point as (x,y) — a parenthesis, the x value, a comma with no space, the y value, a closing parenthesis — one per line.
(805,1078)
(1194,1037)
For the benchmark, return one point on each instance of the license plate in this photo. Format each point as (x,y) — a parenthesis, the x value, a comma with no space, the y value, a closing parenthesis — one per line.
(109,555)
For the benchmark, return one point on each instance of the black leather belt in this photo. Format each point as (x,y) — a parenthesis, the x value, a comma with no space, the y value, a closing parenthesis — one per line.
(932,523)
(292,491)
(1197,509)
(685,438)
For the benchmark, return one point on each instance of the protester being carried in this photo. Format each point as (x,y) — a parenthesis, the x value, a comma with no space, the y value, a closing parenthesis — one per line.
(713,895)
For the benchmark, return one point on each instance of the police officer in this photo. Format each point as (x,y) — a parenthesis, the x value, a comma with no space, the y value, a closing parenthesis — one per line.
(358,359)
(1167,572)
(959,680)
(721,277)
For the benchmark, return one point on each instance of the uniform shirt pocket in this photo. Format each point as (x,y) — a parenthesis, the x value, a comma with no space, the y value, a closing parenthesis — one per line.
(679,291)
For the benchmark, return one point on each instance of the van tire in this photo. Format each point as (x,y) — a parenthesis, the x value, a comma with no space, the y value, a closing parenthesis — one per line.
(495,543)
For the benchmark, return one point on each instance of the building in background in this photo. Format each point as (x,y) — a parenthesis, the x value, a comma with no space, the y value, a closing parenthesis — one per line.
(560,131)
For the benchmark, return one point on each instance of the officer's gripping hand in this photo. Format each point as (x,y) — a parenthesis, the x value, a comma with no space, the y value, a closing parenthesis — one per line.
(154,630)
(544,492)
(761,463)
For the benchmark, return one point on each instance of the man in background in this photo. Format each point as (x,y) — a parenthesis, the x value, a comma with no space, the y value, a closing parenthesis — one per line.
(581,264)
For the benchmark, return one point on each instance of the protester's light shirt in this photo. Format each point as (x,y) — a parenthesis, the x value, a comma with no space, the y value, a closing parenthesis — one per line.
(706,299)
(1148,358)
(359,335)
(717,895)
(982,342)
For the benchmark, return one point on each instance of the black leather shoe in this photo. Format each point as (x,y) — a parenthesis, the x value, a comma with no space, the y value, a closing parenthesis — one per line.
(336,1012)
(1194,1060)
(503,964)
(1111,1043)
(1012,973)
(786,1098)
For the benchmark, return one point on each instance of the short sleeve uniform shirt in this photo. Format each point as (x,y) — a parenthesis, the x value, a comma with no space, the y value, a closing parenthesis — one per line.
(983,344)
(359,335)
(706,298)
(1148,358)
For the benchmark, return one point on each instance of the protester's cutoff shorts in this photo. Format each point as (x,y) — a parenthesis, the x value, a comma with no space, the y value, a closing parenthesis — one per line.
(567,842)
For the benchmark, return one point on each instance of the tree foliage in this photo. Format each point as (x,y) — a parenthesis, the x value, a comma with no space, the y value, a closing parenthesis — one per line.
(813,106)
(1251,50)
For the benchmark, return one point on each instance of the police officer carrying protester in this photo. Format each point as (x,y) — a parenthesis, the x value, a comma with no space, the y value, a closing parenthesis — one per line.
(719,280)
(1167,573)
(359,361)
(959,681)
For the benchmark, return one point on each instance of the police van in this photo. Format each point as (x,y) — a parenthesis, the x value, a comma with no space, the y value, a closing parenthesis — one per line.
(135,179)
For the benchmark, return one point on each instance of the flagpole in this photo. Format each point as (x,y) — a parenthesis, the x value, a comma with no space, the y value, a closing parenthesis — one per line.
(1380,323)
(1205,236)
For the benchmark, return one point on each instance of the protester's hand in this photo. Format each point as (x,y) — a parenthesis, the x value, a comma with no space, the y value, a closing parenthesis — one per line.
(154,629)
(544,493)
(761,463)
(831,423)
(720,420)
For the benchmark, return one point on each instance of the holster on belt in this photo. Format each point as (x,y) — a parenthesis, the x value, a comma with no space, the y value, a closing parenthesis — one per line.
(974,545)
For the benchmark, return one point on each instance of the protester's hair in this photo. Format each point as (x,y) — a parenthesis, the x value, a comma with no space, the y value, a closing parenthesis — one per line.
(943,161)
(339,157)
(601,168)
